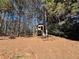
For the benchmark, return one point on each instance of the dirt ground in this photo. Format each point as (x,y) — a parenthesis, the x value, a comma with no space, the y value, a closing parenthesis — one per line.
(38,48)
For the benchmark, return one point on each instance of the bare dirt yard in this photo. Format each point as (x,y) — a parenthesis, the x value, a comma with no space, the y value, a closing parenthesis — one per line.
(38,48)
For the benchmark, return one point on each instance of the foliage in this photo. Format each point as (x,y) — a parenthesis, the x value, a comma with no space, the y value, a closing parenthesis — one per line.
(75,8)
(5,4)
(61,10)
(55,29)
(56,12)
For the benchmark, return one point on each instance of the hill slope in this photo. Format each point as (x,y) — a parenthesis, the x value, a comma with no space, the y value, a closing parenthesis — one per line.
(38,48)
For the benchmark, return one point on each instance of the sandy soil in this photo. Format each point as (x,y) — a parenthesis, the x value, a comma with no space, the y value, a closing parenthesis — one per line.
(38,48)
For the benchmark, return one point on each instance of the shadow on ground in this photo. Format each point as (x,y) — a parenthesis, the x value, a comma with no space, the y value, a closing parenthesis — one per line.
(73,38)
(70,37)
